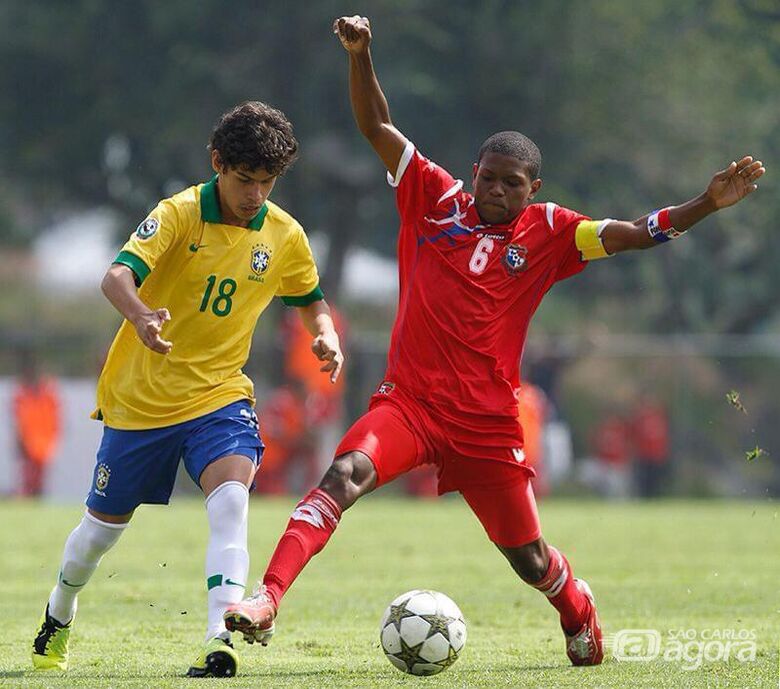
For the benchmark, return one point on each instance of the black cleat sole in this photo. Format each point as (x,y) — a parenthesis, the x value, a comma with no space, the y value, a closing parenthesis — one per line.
(218,664)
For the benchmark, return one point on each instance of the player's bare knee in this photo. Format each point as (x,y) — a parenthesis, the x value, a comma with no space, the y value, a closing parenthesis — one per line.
(110,518)
(337,482)
(348,478)
(338,474)
(363,473)
(529,561)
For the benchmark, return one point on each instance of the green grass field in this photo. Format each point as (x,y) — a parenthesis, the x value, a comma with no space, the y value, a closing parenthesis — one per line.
(665,566)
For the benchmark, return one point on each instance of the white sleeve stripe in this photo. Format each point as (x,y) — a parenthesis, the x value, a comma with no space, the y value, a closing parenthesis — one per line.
(454,189)
(602,225)
(555,589)
(406,156)
(550,214)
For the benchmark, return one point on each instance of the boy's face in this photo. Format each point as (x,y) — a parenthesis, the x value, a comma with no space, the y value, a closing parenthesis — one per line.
(502,187)
(242,192)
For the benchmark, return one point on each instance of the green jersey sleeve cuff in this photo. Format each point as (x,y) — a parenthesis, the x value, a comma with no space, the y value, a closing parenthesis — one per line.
(139,268)
(315,295)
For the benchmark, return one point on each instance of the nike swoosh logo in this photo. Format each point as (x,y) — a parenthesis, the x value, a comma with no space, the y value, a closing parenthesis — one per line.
(230,582)
(194,247)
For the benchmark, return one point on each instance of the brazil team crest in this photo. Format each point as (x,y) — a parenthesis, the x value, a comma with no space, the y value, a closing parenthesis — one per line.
(515,259)
(101,479)
(147,228)
(261,259)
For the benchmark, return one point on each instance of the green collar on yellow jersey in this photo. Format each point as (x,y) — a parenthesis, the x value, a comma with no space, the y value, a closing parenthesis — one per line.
(209,206)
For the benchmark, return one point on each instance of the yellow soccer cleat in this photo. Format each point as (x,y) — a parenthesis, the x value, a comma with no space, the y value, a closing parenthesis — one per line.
(217,659)
(50,648)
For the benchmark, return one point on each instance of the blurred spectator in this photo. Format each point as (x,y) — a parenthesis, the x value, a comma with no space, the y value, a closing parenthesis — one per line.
(558,449)
(609,471)
(323,399)
(288,441)
(300,421)
(36,418)
(650,426)
(532,414)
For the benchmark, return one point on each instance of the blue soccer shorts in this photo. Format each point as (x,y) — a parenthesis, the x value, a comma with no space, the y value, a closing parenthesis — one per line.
(136,467)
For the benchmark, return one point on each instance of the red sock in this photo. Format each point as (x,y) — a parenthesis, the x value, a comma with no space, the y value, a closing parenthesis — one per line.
(558,585)
(312,522)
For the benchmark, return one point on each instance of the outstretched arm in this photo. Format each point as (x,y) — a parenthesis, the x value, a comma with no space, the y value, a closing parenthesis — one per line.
(369,105)
(727,187)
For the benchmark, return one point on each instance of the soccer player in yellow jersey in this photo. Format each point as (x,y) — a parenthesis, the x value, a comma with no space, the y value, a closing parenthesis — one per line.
(191,283)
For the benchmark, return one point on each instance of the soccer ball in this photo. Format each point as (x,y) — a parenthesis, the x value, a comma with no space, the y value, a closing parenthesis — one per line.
(422,632)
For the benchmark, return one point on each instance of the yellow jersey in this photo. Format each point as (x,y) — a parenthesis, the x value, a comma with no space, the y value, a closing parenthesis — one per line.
(215,280)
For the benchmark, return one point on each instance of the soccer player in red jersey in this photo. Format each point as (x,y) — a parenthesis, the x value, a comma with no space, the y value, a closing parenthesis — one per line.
(473,270)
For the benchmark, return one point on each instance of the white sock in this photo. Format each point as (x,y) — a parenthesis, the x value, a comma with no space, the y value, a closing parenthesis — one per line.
(227,558)
(85,547)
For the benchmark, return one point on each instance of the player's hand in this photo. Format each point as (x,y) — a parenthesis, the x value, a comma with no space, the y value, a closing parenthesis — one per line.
(735,182)
(326,347)
(354,33)
(149,325)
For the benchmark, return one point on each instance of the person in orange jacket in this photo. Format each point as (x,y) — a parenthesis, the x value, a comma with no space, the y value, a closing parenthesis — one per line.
(287,436)
(36,415)
(323,404)
(532,414)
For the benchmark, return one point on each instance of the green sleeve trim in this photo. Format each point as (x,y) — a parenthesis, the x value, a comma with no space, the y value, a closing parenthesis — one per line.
(137,265)
(315,295)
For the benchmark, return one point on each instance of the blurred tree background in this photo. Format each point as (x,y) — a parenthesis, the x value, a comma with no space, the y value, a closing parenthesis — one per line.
(634,106)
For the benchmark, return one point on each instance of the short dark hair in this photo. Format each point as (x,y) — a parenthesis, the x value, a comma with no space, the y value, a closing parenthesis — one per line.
(256,136)
(517,145)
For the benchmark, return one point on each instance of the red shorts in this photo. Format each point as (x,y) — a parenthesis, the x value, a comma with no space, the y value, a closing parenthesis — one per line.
(399,433)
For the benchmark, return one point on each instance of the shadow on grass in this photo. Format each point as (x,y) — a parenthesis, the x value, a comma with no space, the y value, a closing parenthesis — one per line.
(383,675)
(270,672)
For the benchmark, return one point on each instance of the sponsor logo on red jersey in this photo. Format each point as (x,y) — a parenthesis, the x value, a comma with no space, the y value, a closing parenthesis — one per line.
(499,236)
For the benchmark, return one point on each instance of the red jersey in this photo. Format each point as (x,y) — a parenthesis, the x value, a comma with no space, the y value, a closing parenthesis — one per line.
(467,294)
(612,441)
(651,433)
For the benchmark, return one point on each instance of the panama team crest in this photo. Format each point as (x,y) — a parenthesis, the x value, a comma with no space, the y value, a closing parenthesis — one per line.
(101,480)
(385,388)
(515,259)
(147,228)
(261,259)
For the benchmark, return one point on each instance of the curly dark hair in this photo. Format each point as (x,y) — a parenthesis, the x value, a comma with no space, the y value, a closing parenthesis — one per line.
(256,136)
(517,145)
